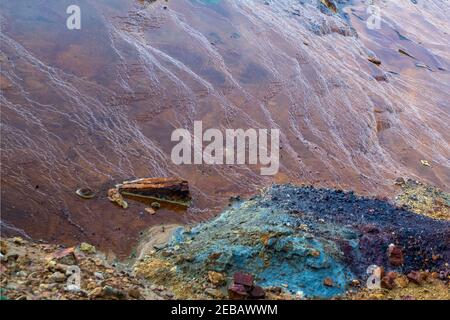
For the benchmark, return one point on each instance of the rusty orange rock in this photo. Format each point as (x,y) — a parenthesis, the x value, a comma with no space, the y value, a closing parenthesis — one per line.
(172,190)
(328,282)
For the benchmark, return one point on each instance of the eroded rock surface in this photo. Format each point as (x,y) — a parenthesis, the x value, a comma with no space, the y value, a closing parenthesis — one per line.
(302,239)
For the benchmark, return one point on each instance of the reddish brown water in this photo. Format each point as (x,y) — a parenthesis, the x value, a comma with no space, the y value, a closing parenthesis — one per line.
(96,106)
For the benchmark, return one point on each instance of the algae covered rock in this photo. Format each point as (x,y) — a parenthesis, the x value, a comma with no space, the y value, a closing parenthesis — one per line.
(87,248)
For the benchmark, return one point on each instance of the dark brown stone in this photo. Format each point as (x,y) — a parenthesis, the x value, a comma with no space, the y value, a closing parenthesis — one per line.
(415,277)
(257,293)
(395,255)
(134,293)
(237,292)
(374,60)
(388,281)
(381,77)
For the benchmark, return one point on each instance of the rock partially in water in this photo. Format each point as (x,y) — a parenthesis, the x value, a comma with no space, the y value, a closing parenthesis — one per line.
(374,60)
(172,190)
(85,193)
(115,196)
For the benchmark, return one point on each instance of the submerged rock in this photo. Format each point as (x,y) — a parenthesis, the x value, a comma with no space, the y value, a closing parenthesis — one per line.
(374,60)
(85,193)
(155,205)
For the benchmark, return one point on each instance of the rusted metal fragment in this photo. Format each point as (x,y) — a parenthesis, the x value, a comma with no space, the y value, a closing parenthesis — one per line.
(172,190)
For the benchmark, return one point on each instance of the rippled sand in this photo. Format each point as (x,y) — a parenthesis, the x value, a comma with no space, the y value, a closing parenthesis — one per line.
(97,106)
